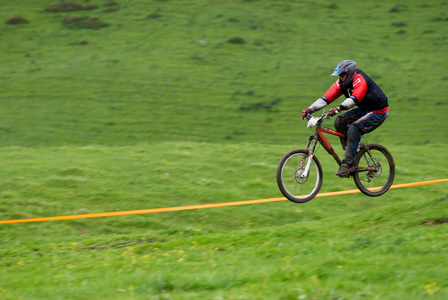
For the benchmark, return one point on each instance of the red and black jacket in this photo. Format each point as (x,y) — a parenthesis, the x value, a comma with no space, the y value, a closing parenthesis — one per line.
(363,90)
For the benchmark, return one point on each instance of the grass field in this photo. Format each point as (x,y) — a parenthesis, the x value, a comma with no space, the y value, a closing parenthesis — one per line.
(159,109)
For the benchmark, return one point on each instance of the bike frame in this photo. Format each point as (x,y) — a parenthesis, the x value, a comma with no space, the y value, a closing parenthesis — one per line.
(319,136)
(300,173)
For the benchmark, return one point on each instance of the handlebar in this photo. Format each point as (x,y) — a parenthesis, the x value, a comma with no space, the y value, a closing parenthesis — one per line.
(323,116)
(312,121)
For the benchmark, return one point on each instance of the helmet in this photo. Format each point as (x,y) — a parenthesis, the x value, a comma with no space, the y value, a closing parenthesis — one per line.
(348,67)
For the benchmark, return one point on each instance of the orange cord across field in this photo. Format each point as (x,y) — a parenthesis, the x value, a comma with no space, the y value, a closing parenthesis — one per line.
(200,206)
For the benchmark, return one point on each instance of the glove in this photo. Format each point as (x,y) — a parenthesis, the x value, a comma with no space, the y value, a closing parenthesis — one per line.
(334,111)
(306,113)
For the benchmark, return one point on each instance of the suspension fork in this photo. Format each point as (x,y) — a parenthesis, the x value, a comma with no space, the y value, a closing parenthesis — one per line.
(311,138)
(310,156)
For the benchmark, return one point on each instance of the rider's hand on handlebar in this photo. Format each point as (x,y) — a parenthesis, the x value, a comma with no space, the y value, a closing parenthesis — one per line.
(306,113)
(333,111)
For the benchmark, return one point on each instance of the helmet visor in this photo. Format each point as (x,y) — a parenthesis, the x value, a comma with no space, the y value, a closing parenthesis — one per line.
(336,71)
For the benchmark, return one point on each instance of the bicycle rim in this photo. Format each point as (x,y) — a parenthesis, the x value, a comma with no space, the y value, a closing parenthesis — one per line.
(292,183)
(375,183)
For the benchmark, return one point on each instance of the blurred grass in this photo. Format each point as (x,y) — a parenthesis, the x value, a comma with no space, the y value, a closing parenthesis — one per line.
(346,246)
(158,112)
(146,80)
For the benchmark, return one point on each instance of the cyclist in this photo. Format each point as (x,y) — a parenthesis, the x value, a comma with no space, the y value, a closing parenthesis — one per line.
(361,91)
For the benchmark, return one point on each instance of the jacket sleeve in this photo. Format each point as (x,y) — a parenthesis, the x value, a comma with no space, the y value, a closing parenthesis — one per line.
(359,88)
(333,93)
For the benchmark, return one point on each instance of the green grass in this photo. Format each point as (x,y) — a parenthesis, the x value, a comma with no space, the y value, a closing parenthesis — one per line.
(144,114)
(348,246)
(145,80)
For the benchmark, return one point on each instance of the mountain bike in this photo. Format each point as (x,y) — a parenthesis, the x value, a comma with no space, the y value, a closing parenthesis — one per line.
(299,173)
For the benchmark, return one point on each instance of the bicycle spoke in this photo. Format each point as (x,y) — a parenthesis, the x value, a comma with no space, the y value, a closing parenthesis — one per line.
(376,171)
(296,182)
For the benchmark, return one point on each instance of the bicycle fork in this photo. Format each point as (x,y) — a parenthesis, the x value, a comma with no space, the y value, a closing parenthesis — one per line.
(310,157)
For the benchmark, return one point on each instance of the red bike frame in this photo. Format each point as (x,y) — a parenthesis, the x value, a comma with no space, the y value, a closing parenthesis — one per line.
(319,136)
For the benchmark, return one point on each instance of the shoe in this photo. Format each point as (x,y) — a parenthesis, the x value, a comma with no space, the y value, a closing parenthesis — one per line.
(344,170)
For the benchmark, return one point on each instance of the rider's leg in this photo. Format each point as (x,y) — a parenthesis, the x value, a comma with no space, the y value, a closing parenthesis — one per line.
(344,120)
(356,130)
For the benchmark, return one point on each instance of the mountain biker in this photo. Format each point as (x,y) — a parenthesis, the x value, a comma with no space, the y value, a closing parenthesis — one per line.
(361,91)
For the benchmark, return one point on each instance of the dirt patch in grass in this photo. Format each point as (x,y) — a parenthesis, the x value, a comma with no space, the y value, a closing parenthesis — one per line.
(153,15)
(110,3)
(434,222)
(69,6)
(268,106)
(74,22)
(236,40)
(16,20)
(124,244)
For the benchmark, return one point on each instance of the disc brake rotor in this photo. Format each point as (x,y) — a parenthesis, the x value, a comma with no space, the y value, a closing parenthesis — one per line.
(377,172)
(298,176)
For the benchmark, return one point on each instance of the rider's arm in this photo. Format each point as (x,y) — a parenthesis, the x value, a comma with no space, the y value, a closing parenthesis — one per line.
(359,91)
(347,104)
(333,93)
(318,104)
(359,88)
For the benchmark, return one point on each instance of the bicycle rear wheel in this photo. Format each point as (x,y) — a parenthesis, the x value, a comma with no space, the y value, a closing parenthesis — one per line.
(375,182)
(292,182)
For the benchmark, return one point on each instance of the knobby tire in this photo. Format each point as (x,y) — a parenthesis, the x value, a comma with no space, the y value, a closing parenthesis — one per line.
(291,185)
(385,176)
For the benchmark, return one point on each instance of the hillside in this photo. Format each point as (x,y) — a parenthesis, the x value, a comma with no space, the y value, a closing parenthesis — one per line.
(169,103)
(177,77)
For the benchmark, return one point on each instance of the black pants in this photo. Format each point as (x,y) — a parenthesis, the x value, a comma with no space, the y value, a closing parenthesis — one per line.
(354,124)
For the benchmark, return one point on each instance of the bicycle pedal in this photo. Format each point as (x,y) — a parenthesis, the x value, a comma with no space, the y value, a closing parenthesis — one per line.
(344,176)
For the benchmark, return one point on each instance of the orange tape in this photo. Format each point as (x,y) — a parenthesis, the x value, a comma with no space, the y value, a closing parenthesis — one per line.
(200,206)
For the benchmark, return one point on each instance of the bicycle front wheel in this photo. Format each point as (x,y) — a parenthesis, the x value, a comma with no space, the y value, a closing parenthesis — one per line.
(381,170)
(294,182)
